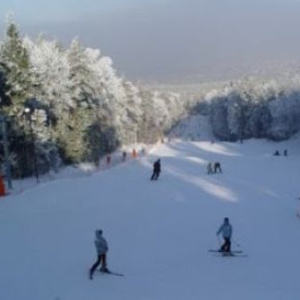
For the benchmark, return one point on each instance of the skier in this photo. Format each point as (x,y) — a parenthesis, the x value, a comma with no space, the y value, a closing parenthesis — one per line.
(226,230)
(209,168)
(217,167)
(134,153)
(156,170)
(108,159)
(124,155)
(102,248)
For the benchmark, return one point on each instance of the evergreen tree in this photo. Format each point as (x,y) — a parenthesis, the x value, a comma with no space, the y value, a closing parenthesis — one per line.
(81,116)
(16,66)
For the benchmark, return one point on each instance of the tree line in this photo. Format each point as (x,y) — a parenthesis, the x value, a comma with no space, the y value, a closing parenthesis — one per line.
(253,108)
(68,105)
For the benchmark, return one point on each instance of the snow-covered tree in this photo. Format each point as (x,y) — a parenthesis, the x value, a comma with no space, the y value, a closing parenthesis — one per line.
(15,64)
(80,108)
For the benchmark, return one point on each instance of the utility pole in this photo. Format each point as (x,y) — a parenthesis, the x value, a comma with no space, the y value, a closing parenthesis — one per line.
(6,151)
(28,112)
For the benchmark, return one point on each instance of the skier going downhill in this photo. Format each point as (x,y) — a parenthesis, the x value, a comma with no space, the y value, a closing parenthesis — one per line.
(226,230)
(102,248)
(156,170)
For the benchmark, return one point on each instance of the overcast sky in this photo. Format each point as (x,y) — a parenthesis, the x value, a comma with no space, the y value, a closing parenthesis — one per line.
(169,39)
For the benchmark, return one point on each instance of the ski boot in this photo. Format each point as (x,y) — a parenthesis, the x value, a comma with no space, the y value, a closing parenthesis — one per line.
(104,270)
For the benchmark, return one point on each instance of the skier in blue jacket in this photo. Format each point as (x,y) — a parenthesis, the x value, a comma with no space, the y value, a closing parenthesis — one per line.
(102,248)
(226,230)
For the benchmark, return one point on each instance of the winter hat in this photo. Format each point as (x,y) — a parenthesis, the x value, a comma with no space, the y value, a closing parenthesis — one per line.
(99,231)
(226,220)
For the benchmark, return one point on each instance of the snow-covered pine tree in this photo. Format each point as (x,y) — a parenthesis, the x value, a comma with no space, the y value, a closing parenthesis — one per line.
(147,132)
(113,108)
(50,78)
(218,117)
(16,66)
(131,114)
(17,72)
(81,115)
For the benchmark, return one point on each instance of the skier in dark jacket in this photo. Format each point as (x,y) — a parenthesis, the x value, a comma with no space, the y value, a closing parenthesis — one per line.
(217,167)
(226,230)
(156,170)
(124,155)
(102,248)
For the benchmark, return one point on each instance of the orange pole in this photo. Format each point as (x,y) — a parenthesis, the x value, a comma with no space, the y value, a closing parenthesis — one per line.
(2,187)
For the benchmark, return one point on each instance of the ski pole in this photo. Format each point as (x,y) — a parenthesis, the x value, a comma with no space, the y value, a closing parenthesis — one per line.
(237,244)
(219,240)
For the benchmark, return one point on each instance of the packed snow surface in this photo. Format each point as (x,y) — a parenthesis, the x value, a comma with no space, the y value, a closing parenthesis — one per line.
(159,232)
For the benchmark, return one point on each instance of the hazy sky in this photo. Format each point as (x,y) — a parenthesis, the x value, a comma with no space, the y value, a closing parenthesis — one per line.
(167,39)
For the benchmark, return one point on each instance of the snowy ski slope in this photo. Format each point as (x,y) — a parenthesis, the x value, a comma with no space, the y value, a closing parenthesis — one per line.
(159,232)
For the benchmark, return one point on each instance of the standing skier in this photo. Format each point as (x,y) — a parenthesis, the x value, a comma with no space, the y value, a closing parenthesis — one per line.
(209,168)
(102,248)
(124,155)
(156,170)
(226,230)
(217,167)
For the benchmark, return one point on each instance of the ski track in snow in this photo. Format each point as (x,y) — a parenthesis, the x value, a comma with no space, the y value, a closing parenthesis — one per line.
(159,232)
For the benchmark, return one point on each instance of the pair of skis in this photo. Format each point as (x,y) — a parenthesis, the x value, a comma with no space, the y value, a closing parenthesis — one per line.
(109,272)
(234,253)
